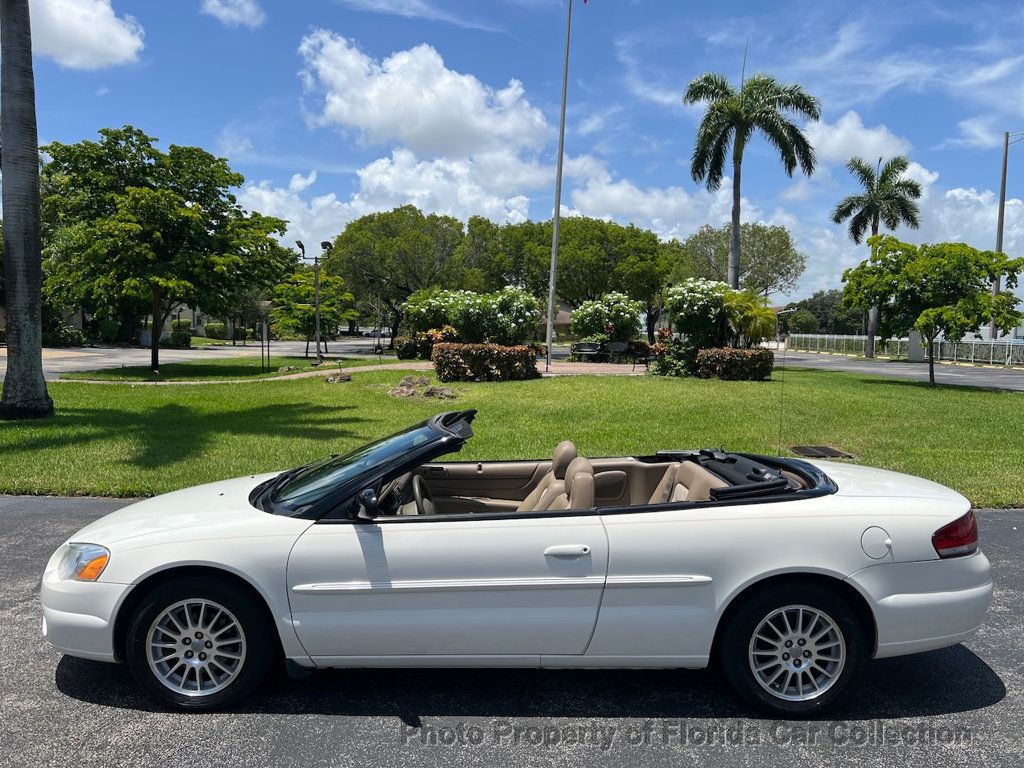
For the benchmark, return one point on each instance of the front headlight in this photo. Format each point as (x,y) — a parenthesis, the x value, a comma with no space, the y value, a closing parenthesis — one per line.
(83,562)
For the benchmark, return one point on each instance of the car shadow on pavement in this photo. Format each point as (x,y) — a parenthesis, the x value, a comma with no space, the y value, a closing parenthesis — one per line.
(936,683)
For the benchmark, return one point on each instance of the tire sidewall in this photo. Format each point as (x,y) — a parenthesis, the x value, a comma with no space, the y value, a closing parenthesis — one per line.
(260,647)
(733,657)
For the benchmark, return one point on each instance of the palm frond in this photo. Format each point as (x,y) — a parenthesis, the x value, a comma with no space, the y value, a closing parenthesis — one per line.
(860,224)
(777,130)
(864,173)
(907,188)
(848,206)
(892,170)
(715,127)
(710,86)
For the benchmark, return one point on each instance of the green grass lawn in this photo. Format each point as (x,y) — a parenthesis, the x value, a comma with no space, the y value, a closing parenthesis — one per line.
(215,369)
(136,440)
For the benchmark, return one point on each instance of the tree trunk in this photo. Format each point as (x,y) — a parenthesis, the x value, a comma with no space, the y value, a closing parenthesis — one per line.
(307,345)
(734,241)
(931,361)
(154,333)
(652,315)
(869,348)
(24,393)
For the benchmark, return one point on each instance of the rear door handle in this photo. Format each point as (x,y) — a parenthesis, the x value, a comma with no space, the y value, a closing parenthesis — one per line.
(567,550)
(436,471)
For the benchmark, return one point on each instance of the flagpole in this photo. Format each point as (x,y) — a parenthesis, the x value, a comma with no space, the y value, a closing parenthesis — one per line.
(556,217)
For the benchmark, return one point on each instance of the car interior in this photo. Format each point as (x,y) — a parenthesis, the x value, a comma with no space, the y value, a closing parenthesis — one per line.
(571,481)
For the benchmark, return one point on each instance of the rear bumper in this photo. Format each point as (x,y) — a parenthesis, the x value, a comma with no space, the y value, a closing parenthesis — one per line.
(78,616)
(926,605)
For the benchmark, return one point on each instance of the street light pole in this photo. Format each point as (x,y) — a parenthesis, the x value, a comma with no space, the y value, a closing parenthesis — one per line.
(558,190)
(326,246)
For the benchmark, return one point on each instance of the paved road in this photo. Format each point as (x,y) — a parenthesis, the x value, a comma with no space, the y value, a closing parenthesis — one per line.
(58,361)
(945,373)
(58,711)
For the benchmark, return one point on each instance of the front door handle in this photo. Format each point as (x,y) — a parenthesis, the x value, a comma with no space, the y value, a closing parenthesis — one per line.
(567,550)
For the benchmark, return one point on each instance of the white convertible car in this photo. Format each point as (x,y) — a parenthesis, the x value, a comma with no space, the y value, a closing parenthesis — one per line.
(790,576)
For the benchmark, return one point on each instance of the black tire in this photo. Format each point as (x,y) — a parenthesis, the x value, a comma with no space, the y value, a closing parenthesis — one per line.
(260,654)
(734,649)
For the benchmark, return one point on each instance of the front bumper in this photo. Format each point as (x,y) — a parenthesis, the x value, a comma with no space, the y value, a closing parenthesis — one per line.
(925,605)
(78,616)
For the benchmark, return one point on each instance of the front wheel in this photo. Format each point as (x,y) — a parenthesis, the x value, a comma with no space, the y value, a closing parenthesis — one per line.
(195,645)
(793,649)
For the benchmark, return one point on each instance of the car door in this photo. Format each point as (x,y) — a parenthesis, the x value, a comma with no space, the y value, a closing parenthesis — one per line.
(501,587)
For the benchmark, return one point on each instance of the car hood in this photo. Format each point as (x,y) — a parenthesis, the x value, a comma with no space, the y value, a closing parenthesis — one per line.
(203,506)
(854,480)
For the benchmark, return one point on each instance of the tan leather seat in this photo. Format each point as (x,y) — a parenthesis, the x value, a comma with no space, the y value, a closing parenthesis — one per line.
(552,485)
(579,486)
(694,483)
(663,491)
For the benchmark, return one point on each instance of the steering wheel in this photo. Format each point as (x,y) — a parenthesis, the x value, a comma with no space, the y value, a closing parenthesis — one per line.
(421,495)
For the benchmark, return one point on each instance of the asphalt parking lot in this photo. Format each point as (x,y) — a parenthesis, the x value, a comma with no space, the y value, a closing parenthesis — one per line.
(956,707)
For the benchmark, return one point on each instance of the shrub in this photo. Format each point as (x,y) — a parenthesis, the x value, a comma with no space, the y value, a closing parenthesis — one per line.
(62,334)
(614,314)
(420,345)
(181,333)
(216,331)
(697,309)
(735,364)
(505,317)
(484,362)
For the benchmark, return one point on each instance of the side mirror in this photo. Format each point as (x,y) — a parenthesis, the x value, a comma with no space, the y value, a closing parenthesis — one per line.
(366,501)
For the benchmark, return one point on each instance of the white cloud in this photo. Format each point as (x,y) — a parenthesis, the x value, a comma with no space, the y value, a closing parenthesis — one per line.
(976,132)
(847,137)
(235,13)
(417,9)
(411,97)
(84,34)
(300,183)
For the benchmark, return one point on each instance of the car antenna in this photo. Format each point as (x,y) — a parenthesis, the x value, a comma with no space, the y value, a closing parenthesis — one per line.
(782,380)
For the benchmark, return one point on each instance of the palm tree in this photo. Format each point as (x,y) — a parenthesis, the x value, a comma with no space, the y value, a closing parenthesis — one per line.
(888,198)
(24,393)
(732,117)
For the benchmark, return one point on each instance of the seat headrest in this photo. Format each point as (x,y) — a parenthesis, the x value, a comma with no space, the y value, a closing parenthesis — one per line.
(577,467)
(564,454)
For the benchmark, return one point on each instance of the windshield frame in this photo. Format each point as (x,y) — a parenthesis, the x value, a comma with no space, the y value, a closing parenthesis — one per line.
(447,433)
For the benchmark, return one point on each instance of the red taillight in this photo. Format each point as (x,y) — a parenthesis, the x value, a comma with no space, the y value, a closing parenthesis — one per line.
(958,538)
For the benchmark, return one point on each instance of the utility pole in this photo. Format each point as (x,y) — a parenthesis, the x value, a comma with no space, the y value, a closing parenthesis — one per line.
(556,217)
(1001,215)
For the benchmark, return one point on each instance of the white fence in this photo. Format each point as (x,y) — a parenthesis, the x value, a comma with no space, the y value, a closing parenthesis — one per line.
(1003,352)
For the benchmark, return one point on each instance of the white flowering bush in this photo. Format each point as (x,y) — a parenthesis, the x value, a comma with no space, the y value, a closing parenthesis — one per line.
(614,315)
(697,308)
(506,317)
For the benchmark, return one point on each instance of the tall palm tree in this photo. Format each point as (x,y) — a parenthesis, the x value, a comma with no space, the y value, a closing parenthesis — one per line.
(761,104)
(24,393)
(888,198)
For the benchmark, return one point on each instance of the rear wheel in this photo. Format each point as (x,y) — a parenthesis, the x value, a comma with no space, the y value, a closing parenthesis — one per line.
(793,649)
(196,644)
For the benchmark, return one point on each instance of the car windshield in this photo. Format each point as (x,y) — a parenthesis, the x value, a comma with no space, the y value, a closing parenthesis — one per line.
(295,491)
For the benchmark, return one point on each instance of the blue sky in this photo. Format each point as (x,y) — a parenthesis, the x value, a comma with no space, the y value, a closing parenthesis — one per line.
(335,108)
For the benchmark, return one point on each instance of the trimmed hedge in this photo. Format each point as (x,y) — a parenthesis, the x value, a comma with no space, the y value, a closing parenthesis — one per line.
(735,364)
(484,362)
(216,331)
(181,334)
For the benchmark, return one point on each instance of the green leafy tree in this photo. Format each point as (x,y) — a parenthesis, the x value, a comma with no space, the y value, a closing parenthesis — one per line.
(131,227)
(391,255)
(294,309)
(803,321)
(761,104)
(771,261)
(940,289)
(888,197)
(24,391)
(832,315)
